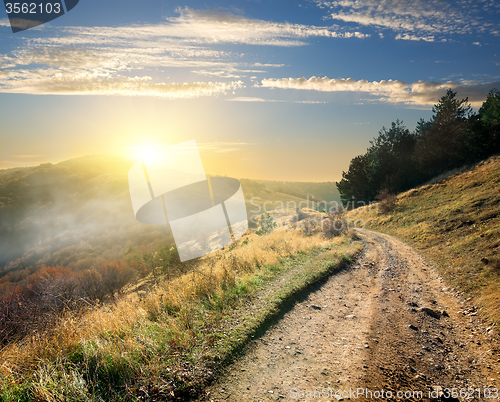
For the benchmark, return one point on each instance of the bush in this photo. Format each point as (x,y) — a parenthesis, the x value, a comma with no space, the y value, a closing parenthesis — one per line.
(333,225)
(387,202)
(266,224)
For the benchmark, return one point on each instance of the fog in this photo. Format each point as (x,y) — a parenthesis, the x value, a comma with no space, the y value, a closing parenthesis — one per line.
(72,214)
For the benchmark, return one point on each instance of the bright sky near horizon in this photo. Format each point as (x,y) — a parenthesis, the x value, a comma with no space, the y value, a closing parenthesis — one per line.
(280,90)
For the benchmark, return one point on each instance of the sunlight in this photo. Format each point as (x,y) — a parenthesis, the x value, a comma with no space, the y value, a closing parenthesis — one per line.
(146,152)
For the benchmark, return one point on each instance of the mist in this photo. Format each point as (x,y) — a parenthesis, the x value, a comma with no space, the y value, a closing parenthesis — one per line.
(72,214)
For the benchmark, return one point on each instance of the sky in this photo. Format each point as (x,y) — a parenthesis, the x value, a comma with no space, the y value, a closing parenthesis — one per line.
(279,90)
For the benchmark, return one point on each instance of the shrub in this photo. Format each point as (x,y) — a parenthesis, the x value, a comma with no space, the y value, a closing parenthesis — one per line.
(266,224)
(333,225)
(387,201)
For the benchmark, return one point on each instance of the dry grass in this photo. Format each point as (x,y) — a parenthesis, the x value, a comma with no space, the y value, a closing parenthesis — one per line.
(456,222)
(160,344)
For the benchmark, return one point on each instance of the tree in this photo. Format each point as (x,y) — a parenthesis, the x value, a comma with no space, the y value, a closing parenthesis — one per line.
(386,165)
(391,154)
(489,116)
(266,224)
(355,185)
(443,142)
(398,160)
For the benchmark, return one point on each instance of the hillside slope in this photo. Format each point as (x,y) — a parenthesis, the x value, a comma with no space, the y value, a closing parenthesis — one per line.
(456,223)
(79,212)
(326,191)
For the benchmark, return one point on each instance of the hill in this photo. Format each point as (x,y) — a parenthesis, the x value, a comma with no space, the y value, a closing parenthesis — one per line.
(456,223)
(98,306)
(323,191)
(78,213)
(70,214)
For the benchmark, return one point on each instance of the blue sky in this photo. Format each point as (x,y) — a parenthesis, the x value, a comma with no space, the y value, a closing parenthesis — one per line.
(285,90)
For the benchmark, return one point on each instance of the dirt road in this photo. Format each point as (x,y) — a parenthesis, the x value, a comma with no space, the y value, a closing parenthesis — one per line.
(386,324)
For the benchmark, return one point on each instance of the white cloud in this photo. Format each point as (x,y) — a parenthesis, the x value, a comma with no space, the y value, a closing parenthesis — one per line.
(48,82)
(247,99)
(414,37)
(416,18)
(204,27)
(326,84)
(102,59)
(211,27)
(193,27)
(420,93)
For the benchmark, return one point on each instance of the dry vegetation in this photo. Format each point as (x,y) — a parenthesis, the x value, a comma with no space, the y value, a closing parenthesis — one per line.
(169,343)
(456,222)
(76,324)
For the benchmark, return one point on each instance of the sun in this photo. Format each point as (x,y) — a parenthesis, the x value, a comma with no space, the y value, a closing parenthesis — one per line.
(146,152)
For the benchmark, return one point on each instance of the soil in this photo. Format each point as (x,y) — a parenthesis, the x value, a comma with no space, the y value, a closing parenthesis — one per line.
(388,323)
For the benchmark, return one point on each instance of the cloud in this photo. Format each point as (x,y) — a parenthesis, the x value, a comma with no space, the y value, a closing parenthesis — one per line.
(255,99)
(192,28)
(222,147)
(414,37)
(91,84)
(420,93)
(326,84)
(205,28)
(121,60)
(213,27)
(416,18)
(247,99)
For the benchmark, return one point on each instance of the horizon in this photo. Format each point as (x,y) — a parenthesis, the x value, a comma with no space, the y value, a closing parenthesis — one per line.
(131,160)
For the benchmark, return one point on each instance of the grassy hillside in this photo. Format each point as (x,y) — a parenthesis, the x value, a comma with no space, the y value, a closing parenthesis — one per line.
(324,191)
(94,306)
(167,344)
(456,223)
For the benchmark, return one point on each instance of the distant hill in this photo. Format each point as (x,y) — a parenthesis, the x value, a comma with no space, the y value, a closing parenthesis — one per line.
(78,212)
(455,221)
(325,191)
(68,214)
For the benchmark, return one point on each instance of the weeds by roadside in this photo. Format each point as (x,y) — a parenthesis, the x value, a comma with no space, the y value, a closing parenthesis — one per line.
(170,344)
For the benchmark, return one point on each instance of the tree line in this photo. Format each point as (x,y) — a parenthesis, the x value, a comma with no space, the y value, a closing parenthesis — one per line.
(398,159)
